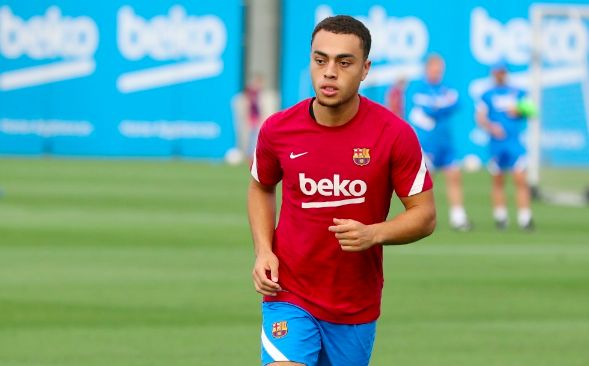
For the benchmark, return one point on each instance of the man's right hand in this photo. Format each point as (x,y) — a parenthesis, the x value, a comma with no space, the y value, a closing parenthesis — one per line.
(266,263)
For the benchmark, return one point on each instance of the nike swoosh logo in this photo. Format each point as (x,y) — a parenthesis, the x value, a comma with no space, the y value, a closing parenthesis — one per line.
(294,156)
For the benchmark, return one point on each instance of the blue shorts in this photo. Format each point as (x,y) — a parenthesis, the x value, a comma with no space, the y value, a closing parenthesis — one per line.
(507,160)
(440,155)
(290,333)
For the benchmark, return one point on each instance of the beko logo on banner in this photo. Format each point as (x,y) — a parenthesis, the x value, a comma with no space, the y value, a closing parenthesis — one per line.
(192,46)
(66,46)
(564,40)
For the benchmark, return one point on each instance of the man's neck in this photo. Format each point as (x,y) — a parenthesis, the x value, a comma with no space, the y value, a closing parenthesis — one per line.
(433,82)
(336,116)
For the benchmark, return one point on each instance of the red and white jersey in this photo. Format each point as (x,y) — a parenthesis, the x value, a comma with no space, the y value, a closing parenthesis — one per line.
(346,172)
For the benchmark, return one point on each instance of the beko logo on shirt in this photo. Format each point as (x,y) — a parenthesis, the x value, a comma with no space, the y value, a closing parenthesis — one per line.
(335,187)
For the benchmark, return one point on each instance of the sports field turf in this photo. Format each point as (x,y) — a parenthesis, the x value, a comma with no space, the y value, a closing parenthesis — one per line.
(121,263)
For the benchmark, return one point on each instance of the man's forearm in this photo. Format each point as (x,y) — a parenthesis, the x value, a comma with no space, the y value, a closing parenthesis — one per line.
(416,222)
(405,228)
(482,120)
(262,215)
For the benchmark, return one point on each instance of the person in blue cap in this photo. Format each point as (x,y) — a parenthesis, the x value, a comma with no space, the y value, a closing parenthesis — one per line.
(433,104)
(499,113)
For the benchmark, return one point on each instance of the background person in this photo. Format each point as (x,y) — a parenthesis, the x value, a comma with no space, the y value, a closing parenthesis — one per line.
(499,115)
(396,97)
(251,107)
(433,104)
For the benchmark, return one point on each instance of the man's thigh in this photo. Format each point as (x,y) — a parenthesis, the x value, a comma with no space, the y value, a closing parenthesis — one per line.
(346,344)
(289,333)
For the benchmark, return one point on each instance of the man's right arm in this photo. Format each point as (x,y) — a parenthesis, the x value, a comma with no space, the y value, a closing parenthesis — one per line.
(262,214)
(482,119)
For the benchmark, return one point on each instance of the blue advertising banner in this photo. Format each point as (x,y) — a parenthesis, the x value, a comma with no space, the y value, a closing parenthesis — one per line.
(471,35)
(119,78)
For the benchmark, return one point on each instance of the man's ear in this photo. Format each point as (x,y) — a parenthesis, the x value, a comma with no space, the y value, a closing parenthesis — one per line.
(366,66)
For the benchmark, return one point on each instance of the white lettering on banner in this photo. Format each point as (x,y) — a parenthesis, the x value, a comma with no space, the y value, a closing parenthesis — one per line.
(572,140)
(335,187)
(46,127)
(394,38)
(194,44)
(170,38)
(565,46)
(398,45)
(47,37)
(563,40)
(44,74)
(170,130)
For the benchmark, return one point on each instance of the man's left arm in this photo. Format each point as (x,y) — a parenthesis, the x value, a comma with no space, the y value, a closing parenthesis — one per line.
(416,222)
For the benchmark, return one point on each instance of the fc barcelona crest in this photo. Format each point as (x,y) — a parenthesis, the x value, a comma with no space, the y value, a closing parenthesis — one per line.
(279,329)
(361,156)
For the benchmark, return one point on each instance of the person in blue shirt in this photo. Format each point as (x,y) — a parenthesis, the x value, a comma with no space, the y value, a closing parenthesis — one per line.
(498,114)
(433,104)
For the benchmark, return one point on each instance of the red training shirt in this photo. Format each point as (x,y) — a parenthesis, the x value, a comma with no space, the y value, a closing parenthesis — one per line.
(346,172)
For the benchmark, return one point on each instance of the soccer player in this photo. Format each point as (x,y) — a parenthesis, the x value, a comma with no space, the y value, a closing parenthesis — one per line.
(340,157)
(433,105)
(498,114)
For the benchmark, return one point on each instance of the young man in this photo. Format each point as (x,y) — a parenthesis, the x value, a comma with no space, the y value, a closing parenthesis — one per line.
(340,157)
(497,113)
(433,105)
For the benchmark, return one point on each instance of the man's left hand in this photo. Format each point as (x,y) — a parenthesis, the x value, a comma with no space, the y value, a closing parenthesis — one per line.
(353,236)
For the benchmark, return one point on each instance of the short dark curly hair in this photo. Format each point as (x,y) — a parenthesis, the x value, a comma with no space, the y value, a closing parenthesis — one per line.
(345,24)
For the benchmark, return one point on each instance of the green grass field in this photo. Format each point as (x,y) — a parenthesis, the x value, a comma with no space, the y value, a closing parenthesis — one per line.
(121,263)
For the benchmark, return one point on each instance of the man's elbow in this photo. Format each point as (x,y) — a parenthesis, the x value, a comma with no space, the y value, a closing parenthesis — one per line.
(430,222)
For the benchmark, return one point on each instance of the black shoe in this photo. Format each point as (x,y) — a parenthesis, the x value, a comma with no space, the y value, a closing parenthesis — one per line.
(463,228)
(501,224)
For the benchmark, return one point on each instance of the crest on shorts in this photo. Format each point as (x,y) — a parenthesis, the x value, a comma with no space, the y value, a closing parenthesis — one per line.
(279,329)
(361,156)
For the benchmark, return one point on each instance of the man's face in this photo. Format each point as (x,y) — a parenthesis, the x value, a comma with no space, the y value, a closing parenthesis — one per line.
(500,76)
(337,67)
(434,70)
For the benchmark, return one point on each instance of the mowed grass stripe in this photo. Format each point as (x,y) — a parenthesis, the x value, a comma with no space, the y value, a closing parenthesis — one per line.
(31,217)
